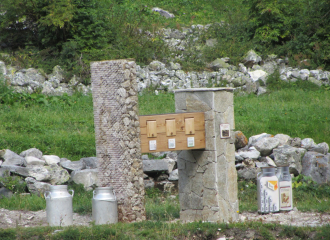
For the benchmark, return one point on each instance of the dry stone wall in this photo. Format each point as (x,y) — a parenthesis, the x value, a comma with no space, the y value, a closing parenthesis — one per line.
(117,135)
(208,178)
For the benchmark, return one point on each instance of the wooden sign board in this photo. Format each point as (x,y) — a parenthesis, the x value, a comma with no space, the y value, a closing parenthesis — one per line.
(172,132)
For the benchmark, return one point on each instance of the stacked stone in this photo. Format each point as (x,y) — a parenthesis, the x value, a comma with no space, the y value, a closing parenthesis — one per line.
(117,132)
(208,178)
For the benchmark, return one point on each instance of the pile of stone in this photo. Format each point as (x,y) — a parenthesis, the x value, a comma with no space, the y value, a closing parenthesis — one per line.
(41,171)
(303,156)
(249,76)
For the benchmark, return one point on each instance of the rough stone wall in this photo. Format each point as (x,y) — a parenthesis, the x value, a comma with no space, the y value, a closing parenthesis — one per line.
(117,132)
(208,178)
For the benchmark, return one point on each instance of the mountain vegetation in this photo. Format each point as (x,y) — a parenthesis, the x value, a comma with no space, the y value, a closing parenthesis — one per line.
(72,33)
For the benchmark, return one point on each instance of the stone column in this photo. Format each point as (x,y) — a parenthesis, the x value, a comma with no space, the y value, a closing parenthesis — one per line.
(208,178)
(117,130)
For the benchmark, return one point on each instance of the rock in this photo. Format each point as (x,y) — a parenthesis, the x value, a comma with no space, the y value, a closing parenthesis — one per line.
(266,145)
(270,161)
(283,138)
(308,143)
(251,58)
(320,148)
(171,164)
(162,177)
(163,12)
(261,164)
(174,175)
(40,173)
(258,75)
(240,140)
(289,156)
(29,160)
(155,166)
(316,166)
(251,153)
(11,158)
(295,142)
(144,157)
(211,42)
(51,159)
(255,138)
(87,177)
(58,175)
(90,162)
(249,163)
(247,173)
(4,173)
(33,152)
(156,66)
(73,166)
(217,64)
(238,158)
(4,192)
(149,183)
(261,90)
(35,187)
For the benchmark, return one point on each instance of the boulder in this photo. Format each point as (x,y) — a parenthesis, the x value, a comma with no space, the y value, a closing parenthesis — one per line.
(283,138)
(162,12)
(174,175)
(251,58)
(40,173)
(155,166)
(29,160)
(148,183)
(308,143)
(87,177)
(11,158)
(316,166)
(58,175)
(217,64)
(320,148)
(295,142)
(248,173)
(4,192)
(51,159)
(255,138)
(33,152)
(73,166)
(35,187)
(240,140)
(90,162)
(266,145)
(171,163)
(289,156)
(251,153)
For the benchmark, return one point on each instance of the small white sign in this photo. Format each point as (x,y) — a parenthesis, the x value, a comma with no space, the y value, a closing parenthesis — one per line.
(224,131)
(171,143)
(191,142)
(152,145)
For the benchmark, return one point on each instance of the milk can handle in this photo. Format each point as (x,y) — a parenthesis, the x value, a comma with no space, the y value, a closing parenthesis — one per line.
(114,194)
(72,192)
(47,194)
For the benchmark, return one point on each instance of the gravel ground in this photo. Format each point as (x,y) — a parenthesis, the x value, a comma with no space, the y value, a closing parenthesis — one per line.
(11,219)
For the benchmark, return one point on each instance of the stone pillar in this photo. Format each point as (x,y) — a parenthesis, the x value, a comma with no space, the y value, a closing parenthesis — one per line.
(117,130)
(208,178)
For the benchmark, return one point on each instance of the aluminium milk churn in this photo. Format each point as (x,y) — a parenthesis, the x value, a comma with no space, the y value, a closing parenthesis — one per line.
(59,206)
(104,206)
(267,191)
(285,188)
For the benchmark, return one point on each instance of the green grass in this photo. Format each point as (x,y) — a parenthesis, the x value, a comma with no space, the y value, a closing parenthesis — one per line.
(163,230)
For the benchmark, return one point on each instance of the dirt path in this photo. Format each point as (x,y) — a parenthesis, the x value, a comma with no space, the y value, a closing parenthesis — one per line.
(12,219)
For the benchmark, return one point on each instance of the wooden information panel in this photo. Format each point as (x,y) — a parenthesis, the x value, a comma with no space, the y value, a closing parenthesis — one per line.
(172,132)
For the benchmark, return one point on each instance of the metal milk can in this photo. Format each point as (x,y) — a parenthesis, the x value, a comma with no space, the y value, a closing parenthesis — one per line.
(285,188)
(267,191)
(59,206)
(104,206)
